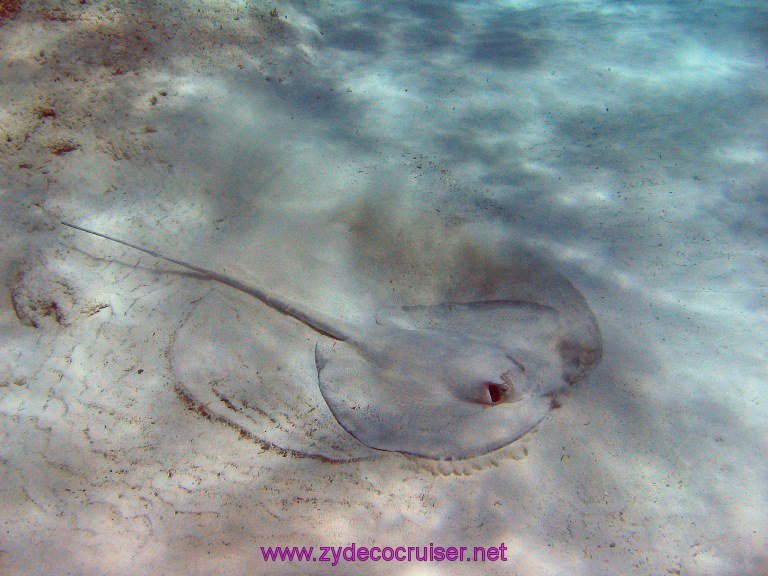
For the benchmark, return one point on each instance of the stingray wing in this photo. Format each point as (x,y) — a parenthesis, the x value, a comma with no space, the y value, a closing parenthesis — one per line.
(384,415)
(502,321)
(556,348)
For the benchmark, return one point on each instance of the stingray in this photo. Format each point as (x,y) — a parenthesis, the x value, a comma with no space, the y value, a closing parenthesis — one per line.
(448,381)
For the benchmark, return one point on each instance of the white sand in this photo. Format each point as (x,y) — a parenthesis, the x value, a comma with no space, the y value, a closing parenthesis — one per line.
(325,152)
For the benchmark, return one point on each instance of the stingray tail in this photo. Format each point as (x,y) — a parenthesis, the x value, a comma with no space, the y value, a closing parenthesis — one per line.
(314,319)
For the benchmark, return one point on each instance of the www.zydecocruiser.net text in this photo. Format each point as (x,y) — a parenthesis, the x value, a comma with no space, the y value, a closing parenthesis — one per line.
(355,553)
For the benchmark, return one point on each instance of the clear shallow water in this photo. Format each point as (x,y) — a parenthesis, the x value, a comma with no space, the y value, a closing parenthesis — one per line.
(365,146)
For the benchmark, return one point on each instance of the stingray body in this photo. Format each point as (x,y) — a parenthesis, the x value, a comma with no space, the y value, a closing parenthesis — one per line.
(448,381)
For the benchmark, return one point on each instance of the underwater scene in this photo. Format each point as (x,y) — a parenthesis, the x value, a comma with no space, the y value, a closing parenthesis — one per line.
(400,287)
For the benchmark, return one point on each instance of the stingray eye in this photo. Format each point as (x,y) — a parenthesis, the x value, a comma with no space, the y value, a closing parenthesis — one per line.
(495,391)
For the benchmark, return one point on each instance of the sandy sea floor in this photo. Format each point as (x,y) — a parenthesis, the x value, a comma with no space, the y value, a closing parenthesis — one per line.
(352,156)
